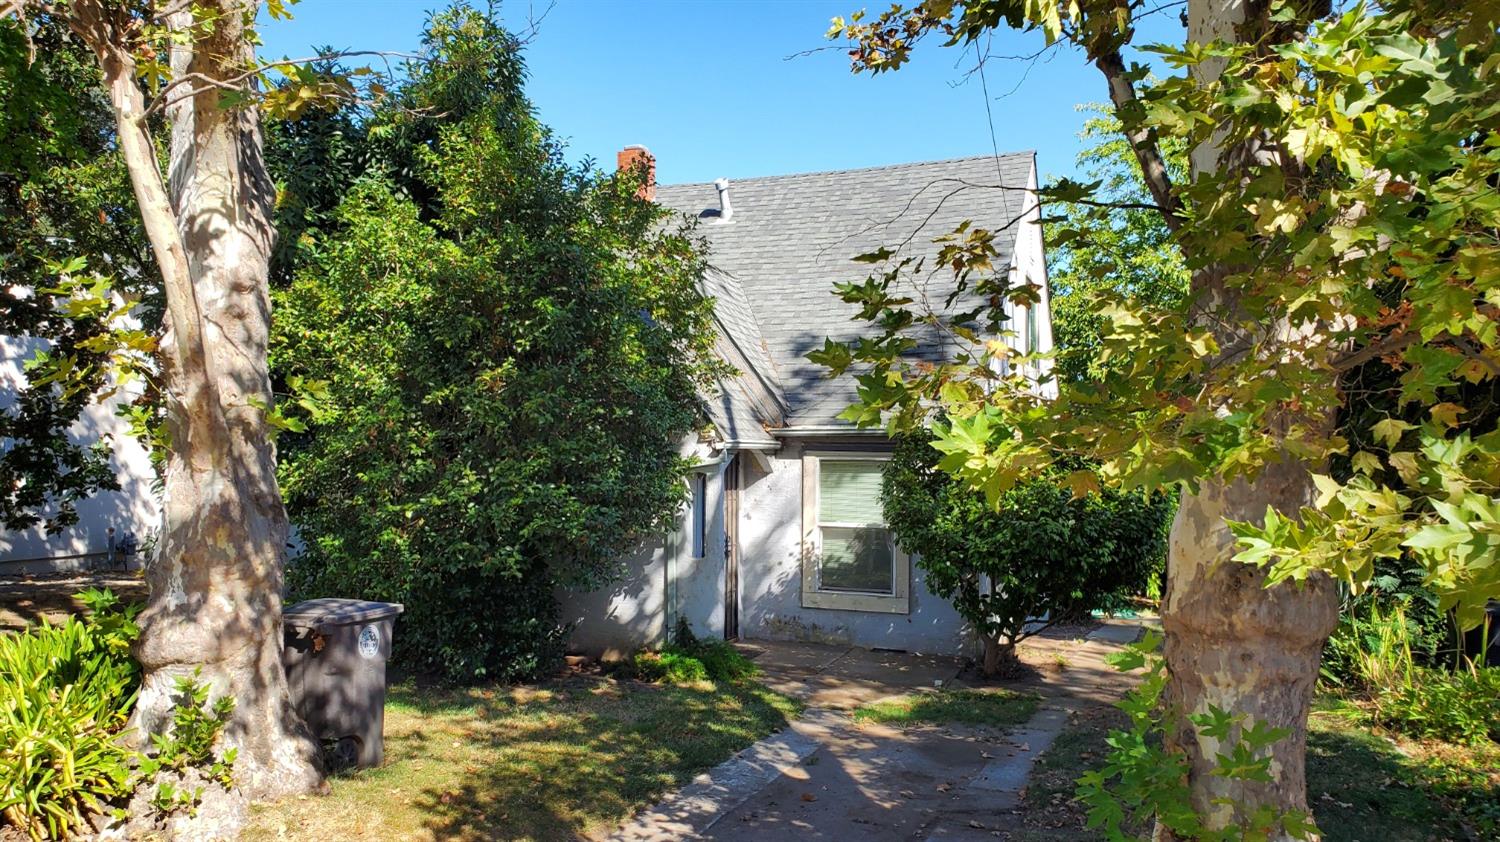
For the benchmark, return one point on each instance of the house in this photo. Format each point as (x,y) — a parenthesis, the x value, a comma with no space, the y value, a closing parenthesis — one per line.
(110,523)
(783,538)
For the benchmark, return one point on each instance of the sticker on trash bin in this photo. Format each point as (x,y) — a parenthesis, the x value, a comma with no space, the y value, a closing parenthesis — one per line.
(369,642)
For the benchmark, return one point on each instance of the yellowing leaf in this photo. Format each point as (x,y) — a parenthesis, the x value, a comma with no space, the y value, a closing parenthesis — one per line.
(1405,463)
(1203,344)
(1082,483)
(1274,215)
(1446,413)
(1328,488)
(1388,431)
(1366,462)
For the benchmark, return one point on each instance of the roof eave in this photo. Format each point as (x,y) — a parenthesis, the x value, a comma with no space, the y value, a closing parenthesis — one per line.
(822,430)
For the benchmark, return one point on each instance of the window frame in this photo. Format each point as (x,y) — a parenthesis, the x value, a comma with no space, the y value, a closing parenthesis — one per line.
(1032,330)
(896,602)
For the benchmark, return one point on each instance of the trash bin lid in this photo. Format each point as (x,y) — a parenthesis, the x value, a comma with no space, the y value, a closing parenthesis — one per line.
(332,611)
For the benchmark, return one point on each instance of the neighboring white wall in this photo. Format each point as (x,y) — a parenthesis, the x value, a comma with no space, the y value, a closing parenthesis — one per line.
(615,621)
(131,509)
(771,577)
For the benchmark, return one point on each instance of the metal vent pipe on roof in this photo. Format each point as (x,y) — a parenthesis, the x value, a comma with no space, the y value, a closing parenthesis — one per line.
(726,210)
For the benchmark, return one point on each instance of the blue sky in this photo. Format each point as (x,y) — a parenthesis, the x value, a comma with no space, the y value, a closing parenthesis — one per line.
(710,88)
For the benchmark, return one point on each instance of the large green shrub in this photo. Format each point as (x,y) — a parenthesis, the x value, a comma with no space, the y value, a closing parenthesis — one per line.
(65,694)
(1042,552)
(505,351)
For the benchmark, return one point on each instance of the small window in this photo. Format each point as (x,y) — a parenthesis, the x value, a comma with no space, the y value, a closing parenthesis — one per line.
(1033,337)
(851,559)
(699,524)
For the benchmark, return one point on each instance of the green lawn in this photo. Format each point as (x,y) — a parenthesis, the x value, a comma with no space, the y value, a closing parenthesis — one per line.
(1367,785)
(568,758)
(1364,785)
(1000,708)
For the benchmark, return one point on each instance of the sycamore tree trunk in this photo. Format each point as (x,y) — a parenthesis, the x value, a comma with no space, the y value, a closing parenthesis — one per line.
(1234,644)
(214,608)
(1231,642)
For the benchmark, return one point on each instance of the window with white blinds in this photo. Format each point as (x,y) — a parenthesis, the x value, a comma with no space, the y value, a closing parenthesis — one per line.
(857,553)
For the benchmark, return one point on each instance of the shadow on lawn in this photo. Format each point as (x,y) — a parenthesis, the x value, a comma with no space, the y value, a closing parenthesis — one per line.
(571,757)
(1361,787)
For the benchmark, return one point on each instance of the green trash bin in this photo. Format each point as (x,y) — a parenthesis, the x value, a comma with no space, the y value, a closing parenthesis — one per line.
(335,656)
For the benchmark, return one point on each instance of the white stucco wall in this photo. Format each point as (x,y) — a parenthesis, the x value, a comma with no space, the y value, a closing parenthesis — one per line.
(614,621)
(131,509)
(698,583)
(771,578)
(662,581)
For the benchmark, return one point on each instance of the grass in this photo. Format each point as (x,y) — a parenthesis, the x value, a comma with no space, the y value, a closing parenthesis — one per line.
(558,761)
(1365,785)
(1000,708)
(1048,810)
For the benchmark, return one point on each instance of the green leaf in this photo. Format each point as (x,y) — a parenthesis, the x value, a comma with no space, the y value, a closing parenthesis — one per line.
(1388,431)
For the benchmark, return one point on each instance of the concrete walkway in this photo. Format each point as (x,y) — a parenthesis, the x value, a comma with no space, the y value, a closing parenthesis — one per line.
(826,777)
(845,677)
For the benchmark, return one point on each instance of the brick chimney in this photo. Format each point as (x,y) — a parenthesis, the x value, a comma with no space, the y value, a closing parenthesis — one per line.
(635,156)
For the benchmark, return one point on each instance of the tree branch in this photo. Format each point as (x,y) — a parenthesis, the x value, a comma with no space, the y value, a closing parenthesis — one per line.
(1143,142)
(1474,352)
(1390,344)
(237,82)
(103,31)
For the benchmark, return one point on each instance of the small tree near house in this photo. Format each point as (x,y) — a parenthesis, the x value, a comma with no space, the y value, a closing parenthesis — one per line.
(1044,553)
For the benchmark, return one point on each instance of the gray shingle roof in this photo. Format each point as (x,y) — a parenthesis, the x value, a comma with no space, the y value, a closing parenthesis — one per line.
(792,238)
(750,400)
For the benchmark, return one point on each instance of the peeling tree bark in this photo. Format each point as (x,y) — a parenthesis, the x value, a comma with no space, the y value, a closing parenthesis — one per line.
(1230,641)
(215,580)
(1234,644)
